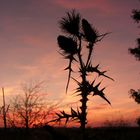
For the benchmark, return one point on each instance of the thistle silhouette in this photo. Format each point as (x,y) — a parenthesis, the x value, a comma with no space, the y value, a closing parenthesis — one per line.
(78,32)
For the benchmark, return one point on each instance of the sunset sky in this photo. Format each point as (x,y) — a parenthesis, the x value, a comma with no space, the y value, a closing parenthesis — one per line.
(29,51)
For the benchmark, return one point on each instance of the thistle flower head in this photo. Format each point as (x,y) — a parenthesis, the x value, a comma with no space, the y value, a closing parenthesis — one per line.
(67,44)
(90,34)
(71,23)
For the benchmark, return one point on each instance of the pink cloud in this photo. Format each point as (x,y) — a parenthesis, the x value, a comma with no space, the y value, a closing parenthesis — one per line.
(35,41)
(102,5)
(83,4)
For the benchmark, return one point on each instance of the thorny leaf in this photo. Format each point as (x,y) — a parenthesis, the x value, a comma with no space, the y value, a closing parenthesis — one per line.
(73,113)
(62,115)
(69,68)
(96,91)
(90,68)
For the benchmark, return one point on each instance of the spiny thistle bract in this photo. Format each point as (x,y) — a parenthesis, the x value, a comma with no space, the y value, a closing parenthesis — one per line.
(89,33)
(70,23)
(78,32)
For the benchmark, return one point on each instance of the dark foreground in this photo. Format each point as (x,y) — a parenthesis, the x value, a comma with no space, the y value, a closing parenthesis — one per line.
(127,133)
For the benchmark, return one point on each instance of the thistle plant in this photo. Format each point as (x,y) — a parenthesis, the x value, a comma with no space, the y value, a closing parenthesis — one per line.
(78,32)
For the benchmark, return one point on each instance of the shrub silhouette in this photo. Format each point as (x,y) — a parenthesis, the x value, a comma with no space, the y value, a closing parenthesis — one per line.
(78,32)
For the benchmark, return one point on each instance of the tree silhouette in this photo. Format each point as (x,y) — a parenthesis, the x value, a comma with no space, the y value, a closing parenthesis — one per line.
(135,95)
(28,109)
(79,37)
(136,51)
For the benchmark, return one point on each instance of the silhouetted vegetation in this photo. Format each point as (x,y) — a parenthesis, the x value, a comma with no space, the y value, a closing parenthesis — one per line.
(135,94)
(27,111)
(4,109)
(80,36)
(116,123)
(136,51)
(104,133)
(29,108)
(138,121)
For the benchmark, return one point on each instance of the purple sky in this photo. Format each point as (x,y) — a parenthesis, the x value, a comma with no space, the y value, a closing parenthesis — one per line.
(29,51)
